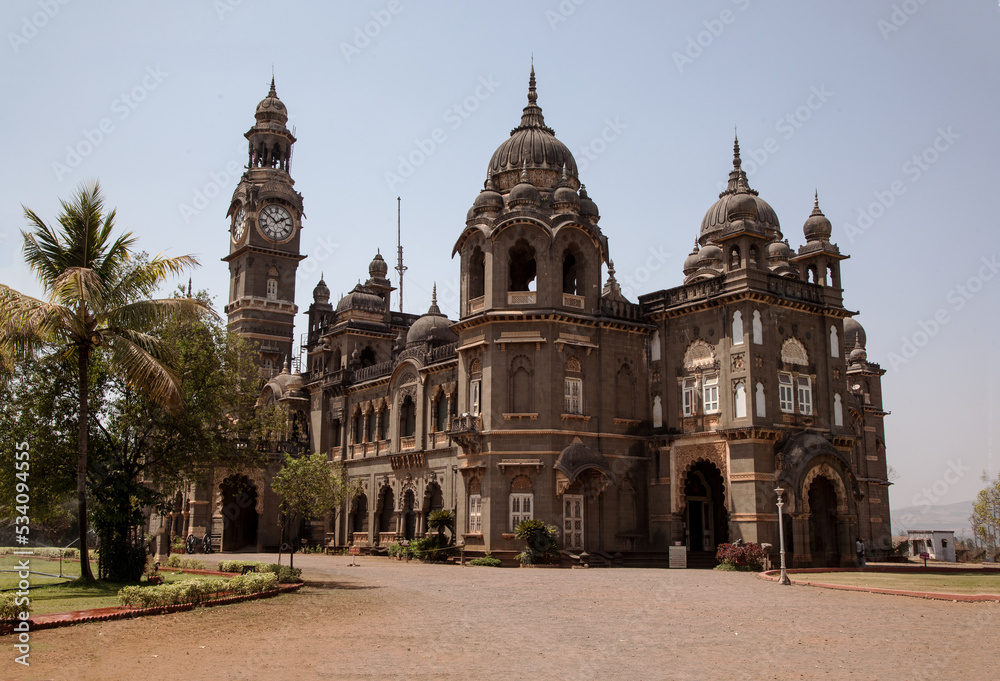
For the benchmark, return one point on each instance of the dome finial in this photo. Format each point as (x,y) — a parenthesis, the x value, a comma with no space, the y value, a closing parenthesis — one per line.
(524,170)
(737,163)
(532,94)
(434,294)
(272,92)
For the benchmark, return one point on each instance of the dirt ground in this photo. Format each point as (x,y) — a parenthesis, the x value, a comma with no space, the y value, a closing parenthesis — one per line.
(390,620)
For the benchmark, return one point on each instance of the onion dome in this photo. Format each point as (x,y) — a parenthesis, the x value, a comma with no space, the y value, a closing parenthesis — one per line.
(524,193)
(858,354)
(377,268)
(489,199)
(854,334)
(691,262)
(321,294)
(564,197)
(361,299)
(778,252)
(710,256)
(587,206)
(271,108)
(432,328)
(738,201)
(534,144)
(817,226)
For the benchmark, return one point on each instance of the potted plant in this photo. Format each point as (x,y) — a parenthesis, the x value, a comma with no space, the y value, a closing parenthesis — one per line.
(177,545)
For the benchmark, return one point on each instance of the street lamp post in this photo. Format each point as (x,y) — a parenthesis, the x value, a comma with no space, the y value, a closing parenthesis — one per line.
(781,538)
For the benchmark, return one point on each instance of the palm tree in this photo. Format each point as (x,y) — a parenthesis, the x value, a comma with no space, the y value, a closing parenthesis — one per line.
(97,297)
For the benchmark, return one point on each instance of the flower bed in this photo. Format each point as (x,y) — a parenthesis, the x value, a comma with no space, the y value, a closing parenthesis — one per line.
(196,591)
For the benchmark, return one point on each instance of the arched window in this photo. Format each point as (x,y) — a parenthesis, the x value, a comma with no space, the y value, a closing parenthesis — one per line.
(407,417)
(657,412)
(572,272)
(838,410)
(383,424)
(360,513)
(370,426)
(337,363)
(441,413)
(356,427)
(654,347)
(367,357)
(753,256)
(734,258)
(737,328)
(268,367)
(740,401)
(522,266)
(335,427)
(521,501)
(759,399)
(272,289)
(520,385)
(834,342)
(794,352)
(758,329)
(477,273)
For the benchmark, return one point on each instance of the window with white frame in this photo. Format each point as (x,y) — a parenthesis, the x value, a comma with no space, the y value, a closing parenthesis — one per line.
(475,514)
(689,390)
(573,391)
(786,393)
(737,328)
(805,395)
(710,393)
(475,386)
(759,400)
(520,508)
(740,400)
(838,410)
(272,289)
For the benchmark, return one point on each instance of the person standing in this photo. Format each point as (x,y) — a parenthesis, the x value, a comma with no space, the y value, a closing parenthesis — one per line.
(859,547)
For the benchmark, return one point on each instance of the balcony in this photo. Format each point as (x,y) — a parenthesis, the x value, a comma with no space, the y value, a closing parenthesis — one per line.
(407,443)
(570,300)
(521,297)
(477,304)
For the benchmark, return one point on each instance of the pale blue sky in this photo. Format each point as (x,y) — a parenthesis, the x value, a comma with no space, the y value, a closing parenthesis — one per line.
(665,82)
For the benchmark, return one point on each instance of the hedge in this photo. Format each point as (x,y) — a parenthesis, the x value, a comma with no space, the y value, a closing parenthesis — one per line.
(196,590)
(286,575)
(8,610)
(43,551)
(176,561)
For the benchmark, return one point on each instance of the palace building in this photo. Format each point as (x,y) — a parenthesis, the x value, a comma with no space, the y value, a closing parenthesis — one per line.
(630,425)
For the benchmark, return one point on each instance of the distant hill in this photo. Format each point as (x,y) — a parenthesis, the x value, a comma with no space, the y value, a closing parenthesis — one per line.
(943,517)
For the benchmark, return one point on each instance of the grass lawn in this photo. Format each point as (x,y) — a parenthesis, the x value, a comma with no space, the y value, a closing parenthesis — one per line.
(953,584)
(57,595)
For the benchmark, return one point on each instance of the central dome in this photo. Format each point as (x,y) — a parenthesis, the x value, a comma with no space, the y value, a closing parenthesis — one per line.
(534,145)
(738,202)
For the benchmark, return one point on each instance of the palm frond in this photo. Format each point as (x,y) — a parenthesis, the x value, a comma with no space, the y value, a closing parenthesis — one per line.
(145,314)
(142,280)
(79,286)
(146,364)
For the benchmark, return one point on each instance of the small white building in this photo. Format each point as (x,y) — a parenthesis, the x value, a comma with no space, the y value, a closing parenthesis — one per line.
(940,544)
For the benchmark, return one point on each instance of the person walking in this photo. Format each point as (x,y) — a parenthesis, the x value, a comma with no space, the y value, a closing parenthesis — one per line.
(859,547)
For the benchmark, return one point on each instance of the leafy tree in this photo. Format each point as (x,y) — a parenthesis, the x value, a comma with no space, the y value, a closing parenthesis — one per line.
(309,487)
(96,298)
(985,517)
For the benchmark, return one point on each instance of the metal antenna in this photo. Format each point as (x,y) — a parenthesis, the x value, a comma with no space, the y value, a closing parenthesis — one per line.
(400,267)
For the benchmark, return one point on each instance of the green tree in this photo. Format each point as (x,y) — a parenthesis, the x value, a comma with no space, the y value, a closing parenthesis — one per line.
(96,297)
(985,517)
(309,487)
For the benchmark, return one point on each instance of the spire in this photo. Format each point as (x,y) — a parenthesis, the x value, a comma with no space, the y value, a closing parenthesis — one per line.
(272,92)
(816,210)
(434,309)
(564,182)
(737,177)
(524,170)
(532,117)
(612,290)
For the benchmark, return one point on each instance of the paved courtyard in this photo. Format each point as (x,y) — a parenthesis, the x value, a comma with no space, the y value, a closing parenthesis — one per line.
(390,620)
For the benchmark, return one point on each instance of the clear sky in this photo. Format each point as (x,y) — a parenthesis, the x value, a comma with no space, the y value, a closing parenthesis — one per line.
(889,109)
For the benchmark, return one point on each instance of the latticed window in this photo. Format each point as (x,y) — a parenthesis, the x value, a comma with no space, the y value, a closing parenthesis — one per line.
(688,392)
(573,396)
(521,504)
(475,514)
(475,386)
(805,395)
(272,289)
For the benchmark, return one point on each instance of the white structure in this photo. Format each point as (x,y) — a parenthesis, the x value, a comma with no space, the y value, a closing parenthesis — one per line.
(940,544)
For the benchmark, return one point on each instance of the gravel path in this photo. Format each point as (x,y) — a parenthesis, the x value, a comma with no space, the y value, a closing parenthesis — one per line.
(390,620)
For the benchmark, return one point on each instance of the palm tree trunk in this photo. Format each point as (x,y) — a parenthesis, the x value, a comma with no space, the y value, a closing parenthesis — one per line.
(81,463)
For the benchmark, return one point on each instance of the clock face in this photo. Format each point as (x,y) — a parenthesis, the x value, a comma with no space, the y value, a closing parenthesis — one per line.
(275,222)
(239,224)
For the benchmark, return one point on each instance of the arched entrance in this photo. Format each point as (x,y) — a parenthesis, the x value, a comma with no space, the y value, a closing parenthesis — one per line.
(387,505)
(824,537)
(239,513)
(705,500)
(409,516)
(360,520)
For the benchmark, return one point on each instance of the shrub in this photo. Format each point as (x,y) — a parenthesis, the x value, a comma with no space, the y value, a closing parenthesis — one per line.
(238,565)
(43,551)
(186,563)
(8,610)
(196,591)
(541,541)
(486,561)
(743,557)
(433,548)
(285,574)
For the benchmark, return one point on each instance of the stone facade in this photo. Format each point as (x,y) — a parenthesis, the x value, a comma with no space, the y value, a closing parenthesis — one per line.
(629,425)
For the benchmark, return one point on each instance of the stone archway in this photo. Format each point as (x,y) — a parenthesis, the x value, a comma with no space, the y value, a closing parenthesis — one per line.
(824,526)
(409,516)
(705,512)
(239,512)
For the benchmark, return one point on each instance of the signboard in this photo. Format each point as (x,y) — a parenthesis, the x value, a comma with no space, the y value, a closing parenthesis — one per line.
(925,555)
(354,551)
(678,557)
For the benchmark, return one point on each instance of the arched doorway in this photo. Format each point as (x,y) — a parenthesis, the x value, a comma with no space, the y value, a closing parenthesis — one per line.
(409,516)
(386,506)
(705,497)
(239,513)
(824,537)
(360,520)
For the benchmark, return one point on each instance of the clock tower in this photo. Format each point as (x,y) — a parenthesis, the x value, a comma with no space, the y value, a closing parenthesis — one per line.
(265,219)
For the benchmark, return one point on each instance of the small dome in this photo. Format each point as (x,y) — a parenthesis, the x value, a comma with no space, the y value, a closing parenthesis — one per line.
(858,355)
(779,251)
(710,256)
(488,201)
(524,193)
(321,294)
(271,108)
(377,268)
(817,227)
(587,206)
(564,197)
(854,334)
(432,328)
(361,299)
(691,262)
